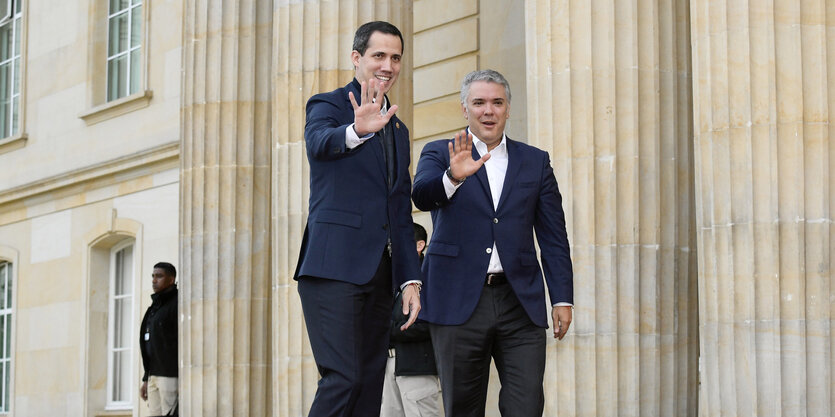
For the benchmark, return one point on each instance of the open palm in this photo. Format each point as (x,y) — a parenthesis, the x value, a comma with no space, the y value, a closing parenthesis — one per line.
(367,117)
(461,162)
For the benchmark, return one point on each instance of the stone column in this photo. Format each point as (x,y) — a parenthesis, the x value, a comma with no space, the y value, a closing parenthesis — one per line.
(312,43)
(764,159)
(609,97)
(225,209)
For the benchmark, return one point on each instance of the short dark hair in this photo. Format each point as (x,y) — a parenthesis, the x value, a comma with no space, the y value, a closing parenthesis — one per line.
(365,31)
(167,267)
(420,233)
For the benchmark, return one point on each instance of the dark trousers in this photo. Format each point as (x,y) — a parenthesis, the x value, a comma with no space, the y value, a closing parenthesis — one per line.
(348,329)
(500,329)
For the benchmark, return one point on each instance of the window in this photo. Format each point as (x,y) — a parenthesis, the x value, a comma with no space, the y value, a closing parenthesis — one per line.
(124,44)
(10,18)
(120,381)
(5,334)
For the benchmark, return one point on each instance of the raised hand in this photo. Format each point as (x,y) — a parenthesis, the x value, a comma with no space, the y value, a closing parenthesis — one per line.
(461,162)
(367,117)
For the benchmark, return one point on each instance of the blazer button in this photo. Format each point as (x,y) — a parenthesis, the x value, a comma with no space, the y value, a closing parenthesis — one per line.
(495,220)
(385,227)
(489,250)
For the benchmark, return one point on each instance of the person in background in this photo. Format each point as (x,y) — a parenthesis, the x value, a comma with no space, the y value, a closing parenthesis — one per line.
(411,387)
(158,344)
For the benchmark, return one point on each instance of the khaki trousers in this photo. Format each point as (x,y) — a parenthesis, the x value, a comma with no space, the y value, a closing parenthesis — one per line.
(410,396)
(162,395)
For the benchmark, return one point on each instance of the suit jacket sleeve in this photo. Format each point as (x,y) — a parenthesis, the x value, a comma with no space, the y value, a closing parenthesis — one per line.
(324,130)
(428,192)
(551,235)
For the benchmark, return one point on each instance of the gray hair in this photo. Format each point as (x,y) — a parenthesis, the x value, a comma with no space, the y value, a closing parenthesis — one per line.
(488,75)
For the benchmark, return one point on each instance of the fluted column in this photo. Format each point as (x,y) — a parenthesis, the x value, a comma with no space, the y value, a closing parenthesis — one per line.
(312,41)
(225,209)
(609,98)
(764,158)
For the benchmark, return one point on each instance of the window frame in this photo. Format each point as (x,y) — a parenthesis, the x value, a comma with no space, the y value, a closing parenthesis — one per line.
(15,20)
(111,332)
(127,52)
(7,268)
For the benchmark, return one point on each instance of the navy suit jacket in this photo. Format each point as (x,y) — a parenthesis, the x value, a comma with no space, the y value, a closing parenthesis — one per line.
(352,210)
(465,227)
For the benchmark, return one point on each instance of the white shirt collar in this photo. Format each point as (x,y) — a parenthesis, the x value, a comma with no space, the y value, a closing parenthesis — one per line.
(385,107)
(499,151)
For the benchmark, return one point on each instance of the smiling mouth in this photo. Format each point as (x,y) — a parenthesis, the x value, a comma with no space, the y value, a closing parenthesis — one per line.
(383,78)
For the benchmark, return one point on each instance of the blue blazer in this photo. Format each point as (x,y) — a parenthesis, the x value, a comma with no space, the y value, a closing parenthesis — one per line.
(465,227)
(352,211)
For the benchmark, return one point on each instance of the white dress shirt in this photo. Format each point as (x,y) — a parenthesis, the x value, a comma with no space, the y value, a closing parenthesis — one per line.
(496,168)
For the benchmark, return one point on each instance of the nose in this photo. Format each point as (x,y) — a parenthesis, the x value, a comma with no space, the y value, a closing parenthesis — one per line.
(386,65)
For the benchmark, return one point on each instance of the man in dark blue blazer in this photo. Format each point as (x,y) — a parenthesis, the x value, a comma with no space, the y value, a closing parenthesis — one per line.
(484,294)
(358,243)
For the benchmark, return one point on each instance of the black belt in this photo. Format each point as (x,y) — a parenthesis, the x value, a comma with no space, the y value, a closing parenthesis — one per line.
(498,278)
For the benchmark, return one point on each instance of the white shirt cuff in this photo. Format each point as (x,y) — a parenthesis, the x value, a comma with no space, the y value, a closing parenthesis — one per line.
(449,187)
(414,281)
(351,138)
(563,304)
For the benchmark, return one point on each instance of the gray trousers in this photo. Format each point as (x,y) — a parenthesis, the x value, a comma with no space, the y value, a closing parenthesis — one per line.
(499,329)
(410,396)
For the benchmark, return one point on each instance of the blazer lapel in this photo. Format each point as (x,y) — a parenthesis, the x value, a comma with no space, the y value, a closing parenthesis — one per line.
(481,174)
(514,163)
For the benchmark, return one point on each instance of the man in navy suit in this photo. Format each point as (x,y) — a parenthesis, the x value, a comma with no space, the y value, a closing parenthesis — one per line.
(358,243)
(484,294)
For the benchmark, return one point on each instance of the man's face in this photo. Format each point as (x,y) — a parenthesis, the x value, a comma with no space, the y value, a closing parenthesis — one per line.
(381,61)
(486,111)
(160,281)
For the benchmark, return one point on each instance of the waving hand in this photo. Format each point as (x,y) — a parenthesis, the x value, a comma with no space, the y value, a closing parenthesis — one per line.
(367,117)
(461,162)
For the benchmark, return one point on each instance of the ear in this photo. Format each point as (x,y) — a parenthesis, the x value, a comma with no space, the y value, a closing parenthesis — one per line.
(355,58)
(464,111)
(421,244)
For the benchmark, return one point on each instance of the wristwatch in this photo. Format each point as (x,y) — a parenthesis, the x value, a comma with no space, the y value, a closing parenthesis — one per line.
(454,180)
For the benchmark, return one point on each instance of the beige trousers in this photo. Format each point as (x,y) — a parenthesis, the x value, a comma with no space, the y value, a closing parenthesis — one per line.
(410,396)
(162,395)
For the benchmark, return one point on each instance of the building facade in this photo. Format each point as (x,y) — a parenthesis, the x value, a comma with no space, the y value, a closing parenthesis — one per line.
(89,196)
(690,139)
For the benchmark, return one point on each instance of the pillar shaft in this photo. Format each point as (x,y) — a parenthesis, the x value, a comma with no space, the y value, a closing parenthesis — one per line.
(609,98)
(312,42)
(225,214)
(763,156)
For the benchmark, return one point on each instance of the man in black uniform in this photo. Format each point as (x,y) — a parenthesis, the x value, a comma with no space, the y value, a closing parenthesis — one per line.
(158,343)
